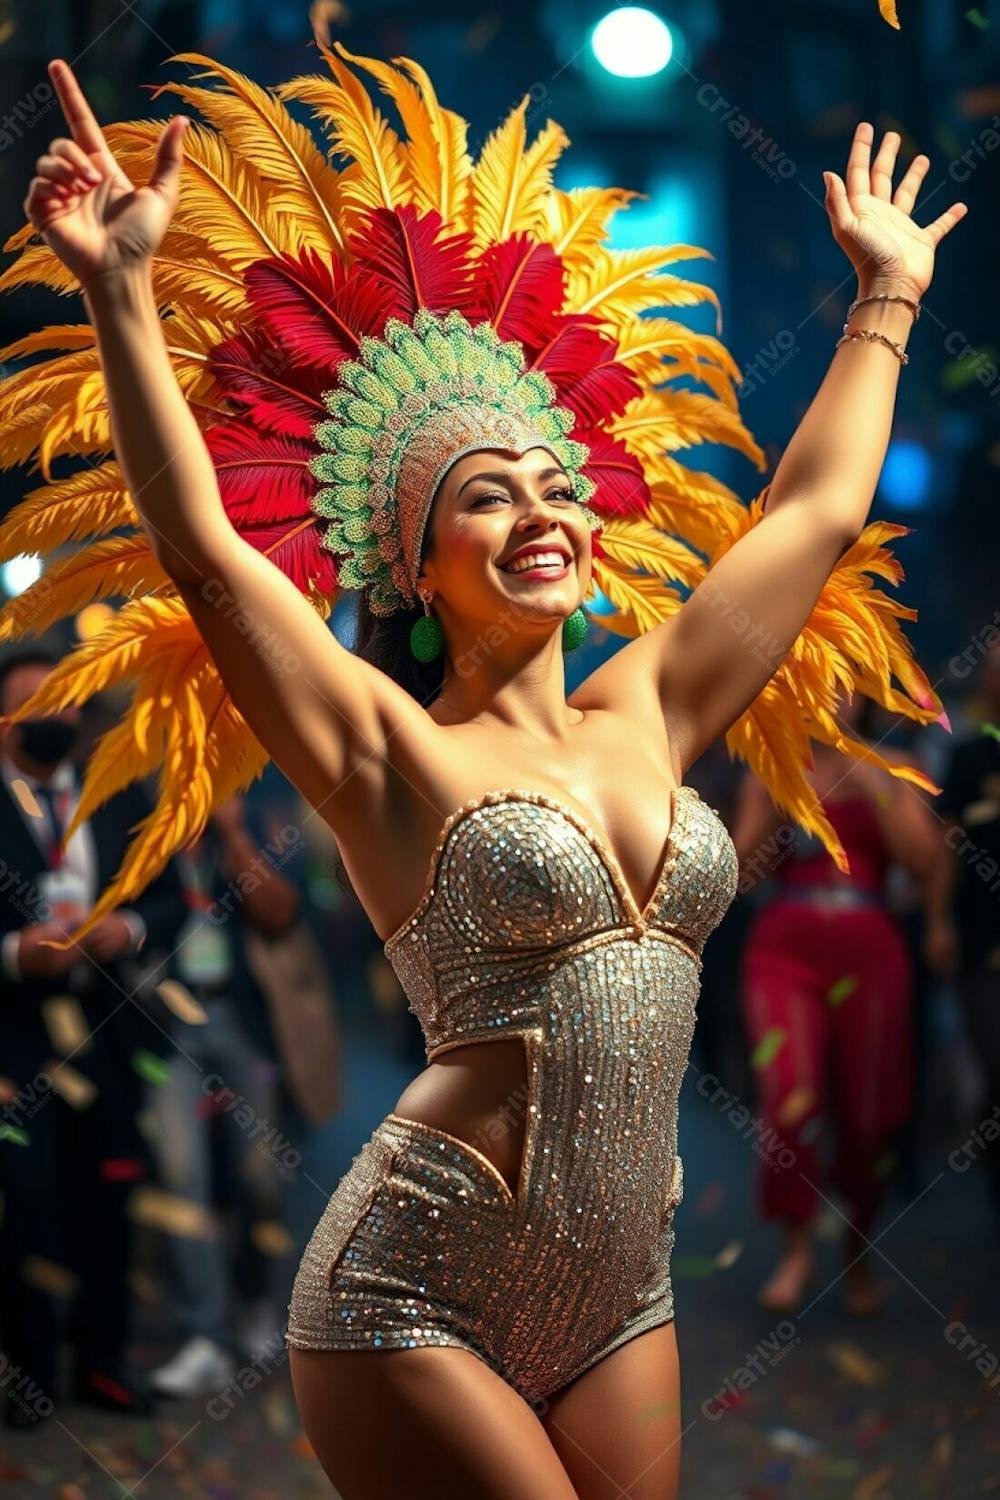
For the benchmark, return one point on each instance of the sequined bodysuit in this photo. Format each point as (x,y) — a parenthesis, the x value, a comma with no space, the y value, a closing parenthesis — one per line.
(527,928)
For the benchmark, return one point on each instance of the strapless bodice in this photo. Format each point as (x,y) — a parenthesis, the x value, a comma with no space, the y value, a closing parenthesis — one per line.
(519,885)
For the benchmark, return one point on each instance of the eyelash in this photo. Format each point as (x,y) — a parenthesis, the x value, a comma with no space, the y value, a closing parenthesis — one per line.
(568,494)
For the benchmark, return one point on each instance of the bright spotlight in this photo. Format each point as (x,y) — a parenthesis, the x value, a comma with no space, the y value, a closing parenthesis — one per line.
(632,42)
(20,573)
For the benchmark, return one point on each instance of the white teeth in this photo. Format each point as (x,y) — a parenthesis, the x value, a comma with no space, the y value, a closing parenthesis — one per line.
(535,560)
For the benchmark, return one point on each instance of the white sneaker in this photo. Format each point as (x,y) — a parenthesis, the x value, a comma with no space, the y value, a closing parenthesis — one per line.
(199,1368)
(258,1328)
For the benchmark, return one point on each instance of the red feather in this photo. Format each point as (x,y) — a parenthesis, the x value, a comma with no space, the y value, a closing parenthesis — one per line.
(316,310)
(404,250)
(262,476)
(580,362)
(621,485)
(295,548)
(278,396)
(520,290)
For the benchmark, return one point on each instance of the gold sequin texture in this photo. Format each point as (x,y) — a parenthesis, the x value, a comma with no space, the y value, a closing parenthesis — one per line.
(527,928)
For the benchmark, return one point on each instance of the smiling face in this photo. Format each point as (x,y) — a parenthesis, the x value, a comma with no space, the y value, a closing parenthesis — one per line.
(491,505)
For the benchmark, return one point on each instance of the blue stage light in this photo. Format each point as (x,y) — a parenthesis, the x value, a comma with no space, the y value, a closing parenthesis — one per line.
(632,42)
(907,474)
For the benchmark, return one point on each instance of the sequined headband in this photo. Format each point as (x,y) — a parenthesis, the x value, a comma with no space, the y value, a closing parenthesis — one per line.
(412,404)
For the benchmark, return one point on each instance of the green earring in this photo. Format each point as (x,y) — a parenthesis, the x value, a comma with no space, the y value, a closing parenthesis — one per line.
(426,635)
(574,630)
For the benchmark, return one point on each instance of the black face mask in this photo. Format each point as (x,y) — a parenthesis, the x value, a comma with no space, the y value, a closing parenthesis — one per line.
(47,740)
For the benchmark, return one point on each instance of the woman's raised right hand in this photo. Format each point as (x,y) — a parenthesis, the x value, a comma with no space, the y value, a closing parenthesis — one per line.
(81,202)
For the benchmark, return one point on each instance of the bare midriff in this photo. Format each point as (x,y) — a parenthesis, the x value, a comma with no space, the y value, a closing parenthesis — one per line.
(478,1092)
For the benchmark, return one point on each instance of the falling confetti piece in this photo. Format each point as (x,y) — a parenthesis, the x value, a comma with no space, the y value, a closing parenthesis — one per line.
(810,1131)
(8,1090)
(991,729)
(695,1265)
(841,988)
(795,1104)
(856,1364)
(873,1486)
(70,1084)
(729,1255)
(787,1440)
(181,1216)
(15,1135)
(272,1238)
(887,10)
(150,1067)
(768,1047)
(122,1169)
(181,1001)
(66,1023)
(977,18)
(48,1275)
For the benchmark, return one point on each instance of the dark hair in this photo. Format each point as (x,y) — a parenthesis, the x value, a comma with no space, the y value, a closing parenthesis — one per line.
(384,641)
(28,656)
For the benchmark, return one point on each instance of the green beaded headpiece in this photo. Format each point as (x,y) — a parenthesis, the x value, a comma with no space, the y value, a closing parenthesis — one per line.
(415,402)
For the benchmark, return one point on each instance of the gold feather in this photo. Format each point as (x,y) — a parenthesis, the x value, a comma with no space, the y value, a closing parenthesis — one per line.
(510,185)
(615,285)
(283,153)
(376,176)
(661,419)
(577,222)
(118,565)
(92,501)
(639,544)
(437,163)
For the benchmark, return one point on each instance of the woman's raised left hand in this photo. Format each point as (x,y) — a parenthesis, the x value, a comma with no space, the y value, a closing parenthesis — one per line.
(872,224)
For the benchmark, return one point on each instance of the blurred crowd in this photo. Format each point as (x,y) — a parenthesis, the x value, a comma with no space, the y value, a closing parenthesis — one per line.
(164,1079)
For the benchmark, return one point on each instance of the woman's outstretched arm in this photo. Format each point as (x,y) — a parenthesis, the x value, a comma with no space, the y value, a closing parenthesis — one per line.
(709,662)
(324,715)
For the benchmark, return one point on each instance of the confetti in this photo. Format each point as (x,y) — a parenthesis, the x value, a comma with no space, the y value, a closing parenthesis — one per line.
(768,1047)
(15,1135)
(729,1254)
(70,1084)
(178,998)
(48,1275)
(787,1440)
(180,1216)
(795,1104)
(874,1485)
(841,988)
(66,1023)
(272,1238)
(856,1364)
(150,1067)
(977,18)
(991,729)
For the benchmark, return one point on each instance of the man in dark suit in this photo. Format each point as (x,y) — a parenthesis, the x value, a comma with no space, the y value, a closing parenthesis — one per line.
(78,1035)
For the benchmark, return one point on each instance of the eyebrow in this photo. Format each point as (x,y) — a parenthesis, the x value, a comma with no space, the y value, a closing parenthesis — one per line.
(504,478)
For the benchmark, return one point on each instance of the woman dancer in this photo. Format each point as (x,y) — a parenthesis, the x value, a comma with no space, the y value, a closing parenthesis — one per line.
(828,983)
(497,1321)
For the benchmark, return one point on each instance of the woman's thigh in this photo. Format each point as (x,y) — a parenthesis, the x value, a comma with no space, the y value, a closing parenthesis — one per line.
(422,1424)
(617,1428)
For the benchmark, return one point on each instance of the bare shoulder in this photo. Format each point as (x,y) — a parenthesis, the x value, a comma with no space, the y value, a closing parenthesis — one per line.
(622,695)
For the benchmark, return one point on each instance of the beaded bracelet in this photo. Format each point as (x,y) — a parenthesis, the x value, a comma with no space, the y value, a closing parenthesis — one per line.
(870,334)
(886,297)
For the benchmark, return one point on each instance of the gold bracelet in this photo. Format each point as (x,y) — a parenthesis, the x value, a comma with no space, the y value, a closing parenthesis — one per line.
(871,333)
(886,297)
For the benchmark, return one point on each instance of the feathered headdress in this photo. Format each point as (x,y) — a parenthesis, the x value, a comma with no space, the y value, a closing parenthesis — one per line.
(280,273)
